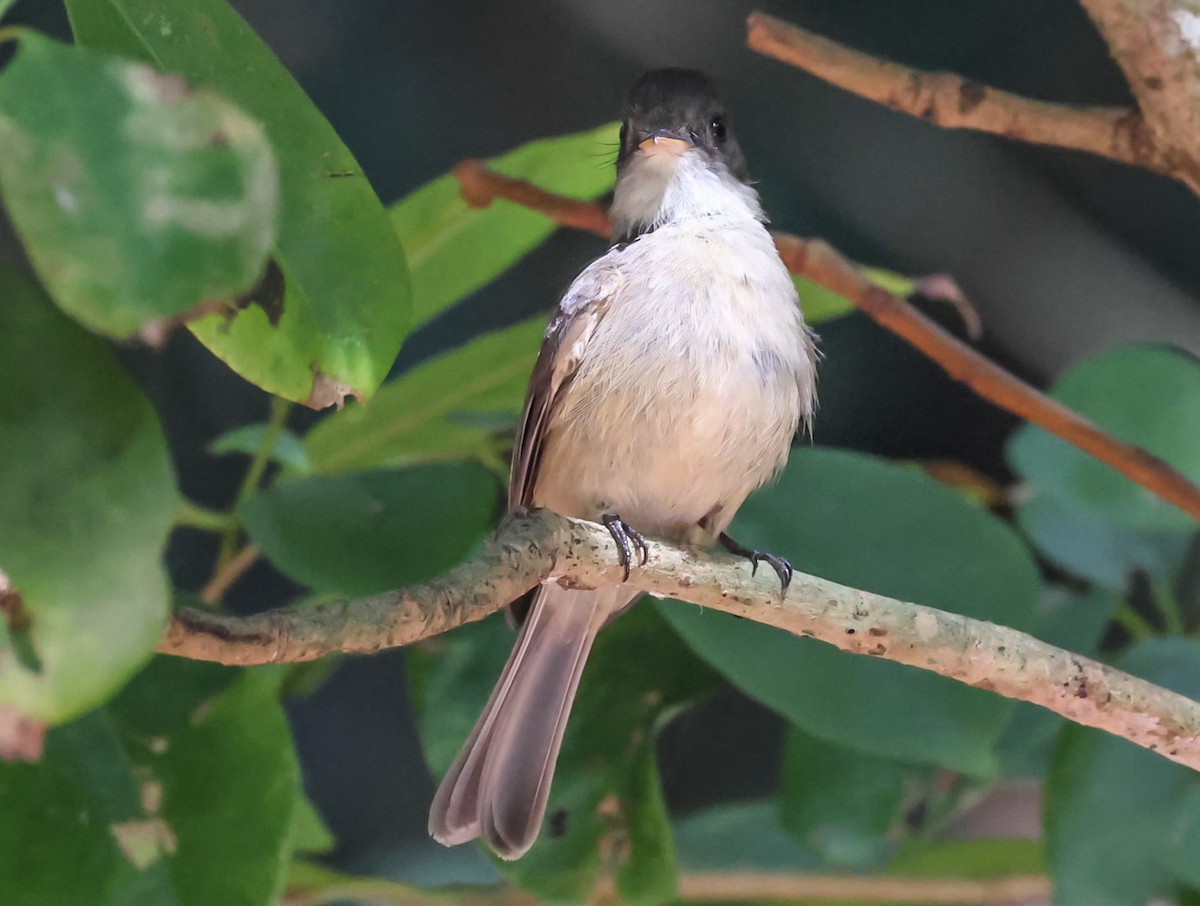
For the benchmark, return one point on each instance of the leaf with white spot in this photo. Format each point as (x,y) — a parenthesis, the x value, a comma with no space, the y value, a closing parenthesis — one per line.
(137,197)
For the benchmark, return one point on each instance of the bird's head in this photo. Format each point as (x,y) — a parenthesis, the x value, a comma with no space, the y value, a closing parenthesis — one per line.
(675,124)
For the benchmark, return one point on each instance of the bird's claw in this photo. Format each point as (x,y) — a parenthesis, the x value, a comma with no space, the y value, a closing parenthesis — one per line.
(626,537)
(782,567)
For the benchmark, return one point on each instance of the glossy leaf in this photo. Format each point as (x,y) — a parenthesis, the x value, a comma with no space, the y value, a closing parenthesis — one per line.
(1149,396)
(454,249)
(328,320)
(442,409)
(88,499)
(1116,812)
(890,529)
(847,806)
(136,197)
(1092,547)
(636,673)
(181,793)
(370,532)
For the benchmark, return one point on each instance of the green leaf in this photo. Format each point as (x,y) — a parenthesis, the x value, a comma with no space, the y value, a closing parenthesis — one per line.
(136,197)
(1149,396)
(984,857)
(146,802)
(818,303)
(289,449)
(4,6)
(821,304)
(433,411)
(894,530)
(1092,547)
(57,843)
(233,751)
(309,832)
(330,319)
(1116,812)
(847,806)
(454,249)
(1183,840)
(88,499)
(741,837)
(637,673)
(365,533)
(650,874)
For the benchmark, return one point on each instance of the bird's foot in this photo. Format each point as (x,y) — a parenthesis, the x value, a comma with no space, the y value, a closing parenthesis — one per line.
(782,567)
(627,537)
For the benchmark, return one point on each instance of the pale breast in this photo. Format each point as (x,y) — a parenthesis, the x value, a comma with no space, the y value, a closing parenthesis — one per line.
(691,388)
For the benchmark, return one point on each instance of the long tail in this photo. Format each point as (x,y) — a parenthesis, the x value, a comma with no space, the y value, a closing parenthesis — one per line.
(499,783)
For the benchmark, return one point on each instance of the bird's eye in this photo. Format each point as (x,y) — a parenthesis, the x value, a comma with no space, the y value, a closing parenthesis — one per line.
(718,128)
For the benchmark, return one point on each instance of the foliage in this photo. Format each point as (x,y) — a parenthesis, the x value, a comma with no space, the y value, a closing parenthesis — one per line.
(151,181)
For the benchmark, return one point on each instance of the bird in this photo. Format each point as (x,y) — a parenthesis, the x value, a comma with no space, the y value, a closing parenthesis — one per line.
(671,383)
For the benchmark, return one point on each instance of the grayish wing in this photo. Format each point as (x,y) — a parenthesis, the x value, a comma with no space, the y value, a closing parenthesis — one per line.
(579,313)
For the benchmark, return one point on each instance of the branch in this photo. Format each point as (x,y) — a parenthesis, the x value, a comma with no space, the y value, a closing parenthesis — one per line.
(819,262)
(699,887)
(953,102)
(755,886)
(1157,45)
(539,545)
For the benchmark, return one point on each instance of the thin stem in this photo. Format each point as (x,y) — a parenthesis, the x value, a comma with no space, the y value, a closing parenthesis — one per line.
(1138,627)
(1168,605)
(234,568)
(191,515)
(276,422)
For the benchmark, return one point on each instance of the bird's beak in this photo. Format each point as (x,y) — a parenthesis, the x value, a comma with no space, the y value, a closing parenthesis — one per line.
(667,141)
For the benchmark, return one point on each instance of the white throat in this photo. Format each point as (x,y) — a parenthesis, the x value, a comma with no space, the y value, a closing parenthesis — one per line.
(657,189)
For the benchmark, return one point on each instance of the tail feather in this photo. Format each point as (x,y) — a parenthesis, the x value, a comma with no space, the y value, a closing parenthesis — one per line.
(499,784)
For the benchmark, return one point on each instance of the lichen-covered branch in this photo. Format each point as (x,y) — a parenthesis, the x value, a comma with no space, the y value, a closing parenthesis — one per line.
(821,263)
(539,545)
(954,102)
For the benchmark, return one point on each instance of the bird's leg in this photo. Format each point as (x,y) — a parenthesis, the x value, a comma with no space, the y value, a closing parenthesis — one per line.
(782,567)
(627,537)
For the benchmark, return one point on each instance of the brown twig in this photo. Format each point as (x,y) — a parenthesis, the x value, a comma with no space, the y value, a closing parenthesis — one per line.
(232,570)
(707,887)
(479,190)
(953,102)
(710,887)
(537,546)
(819,262)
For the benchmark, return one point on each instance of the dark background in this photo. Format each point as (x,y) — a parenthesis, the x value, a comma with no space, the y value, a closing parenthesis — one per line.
(1062,254)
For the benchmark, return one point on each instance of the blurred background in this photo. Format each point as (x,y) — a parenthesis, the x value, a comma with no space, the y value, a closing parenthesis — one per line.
(1061,253)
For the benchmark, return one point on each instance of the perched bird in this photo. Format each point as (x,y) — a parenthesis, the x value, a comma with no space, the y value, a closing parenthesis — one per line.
(673,377)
